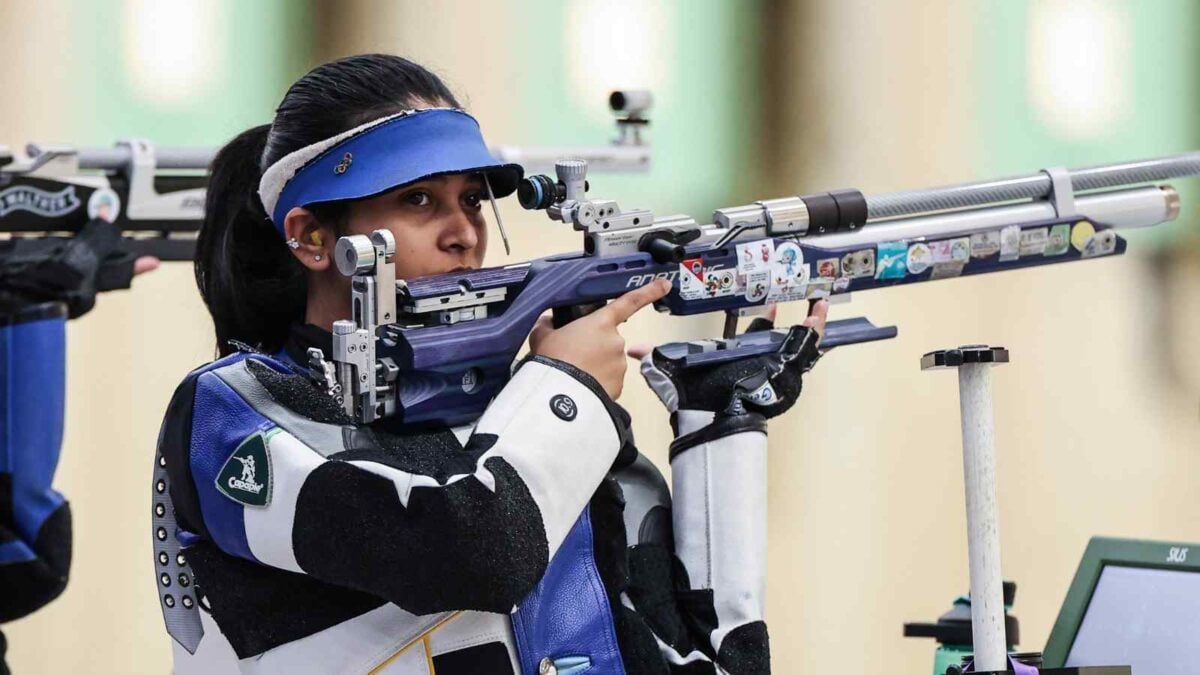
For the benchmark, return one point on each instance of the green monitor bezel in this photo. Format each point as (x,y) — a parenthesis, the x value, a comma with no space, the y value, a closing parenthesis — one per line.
(1101,552)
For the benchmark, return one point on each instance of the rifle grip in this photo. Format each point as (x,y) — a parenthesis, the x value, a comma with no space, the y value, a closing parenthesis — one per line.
(567,314)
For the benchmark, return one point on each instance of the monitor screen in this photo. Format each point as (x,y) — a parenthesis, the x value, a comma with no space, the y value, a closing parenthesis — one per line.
(1145,618)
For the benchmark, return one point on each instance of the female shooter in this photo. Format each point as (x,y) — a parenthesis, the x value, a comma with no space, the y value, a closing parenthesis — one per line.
(316,545)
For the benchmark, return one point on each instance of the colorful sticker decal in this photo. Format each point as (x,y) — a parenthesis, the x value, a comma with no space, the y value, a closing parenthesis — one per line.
(840,284)
(1060,240)
(1033,240)
(830,267)
(104,204)
(984,244)
(755,256)
(789,273)
(960,249)
(892,260)
(919,258)
(951,250)
(789,261)
(859,264)
(1080,234)
(691,279)
(1103,242)
(947,270)
(1010,243)
(720,283)
(758,284)
(820,287)
(786,289)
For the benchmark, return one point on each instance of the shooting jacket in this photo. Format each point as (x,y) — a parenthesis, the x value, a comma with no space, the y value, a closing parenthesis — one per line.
(306,543)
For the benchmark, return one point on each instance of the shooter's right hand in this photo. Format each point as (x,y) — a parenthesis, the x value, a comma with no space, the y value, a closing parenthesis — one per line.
(593,343)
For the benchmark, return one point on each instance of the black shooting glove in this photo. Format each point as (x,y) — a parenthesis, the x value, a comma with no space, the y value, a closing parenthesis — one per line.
(71,270)
(767,384)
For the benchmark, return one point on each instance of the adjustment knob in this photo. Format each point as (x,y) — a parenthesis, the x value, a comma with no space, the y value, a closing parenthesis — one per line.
(571,169)
(572,173)
(354,254)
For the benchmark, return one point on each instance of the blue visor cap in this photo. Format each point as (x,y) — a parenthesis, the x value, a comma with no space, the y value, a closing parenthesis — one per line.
(402,150)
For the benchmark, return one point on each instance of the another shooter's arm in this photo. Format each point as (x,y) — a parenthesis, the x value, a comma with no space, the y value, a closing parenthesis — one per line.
(35,520)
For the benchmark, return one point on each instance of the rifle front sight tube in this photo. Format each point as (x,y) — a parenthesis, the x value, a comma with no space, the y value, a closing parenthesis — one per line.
(983,517)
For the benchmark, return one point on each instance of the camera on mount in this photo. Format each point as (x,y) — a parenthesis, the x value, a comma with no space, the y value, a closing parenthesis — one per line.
(630,106)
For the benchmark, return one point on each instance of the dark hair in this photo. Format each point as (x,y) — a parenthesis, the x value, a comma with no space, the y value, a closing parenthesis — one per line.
(252,285)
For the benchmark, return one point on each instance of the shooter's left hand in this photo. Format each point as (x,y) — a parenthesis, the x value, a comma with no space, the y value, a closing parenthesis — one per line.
(774,379)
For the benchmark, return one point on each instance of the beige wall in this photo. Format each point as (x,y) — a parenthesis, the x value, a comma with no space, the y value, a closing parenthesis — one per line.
(866,491)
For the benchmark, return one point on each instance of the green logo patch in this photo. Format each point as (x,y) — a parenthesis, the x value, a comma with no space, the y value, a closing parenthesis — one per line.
(246,476)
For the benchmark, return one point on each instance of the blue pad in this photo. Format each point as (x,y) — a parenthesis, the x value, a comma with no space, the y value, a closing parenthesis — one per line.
(34,519)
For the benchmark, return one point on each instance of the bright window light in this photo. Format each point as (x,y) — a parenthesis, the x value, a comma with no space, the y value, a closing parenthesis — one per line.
(618,44)
(1080,66)
(172,48)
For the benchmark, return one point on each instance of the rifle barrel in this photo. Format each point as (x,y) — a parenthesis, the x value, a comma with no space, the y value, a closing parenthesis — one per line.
(118,158)
(1035,186)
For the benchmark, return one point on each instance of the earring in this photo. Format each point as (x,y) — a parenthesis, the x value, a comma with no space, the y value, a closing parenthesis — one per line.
(317,257)
(293,243)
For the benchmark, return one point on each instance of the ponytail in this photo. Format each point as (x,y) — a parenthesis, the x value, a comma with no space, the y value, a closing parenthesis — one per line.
(252,285)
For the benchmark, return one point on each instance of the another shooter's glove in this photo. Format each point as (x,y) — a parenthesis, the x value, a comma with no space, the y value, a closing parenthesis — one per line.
(719,489)
(70,270)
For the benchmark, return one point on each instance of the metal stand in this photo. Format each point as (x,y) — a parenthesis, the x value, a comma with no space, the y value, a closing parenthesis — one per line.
(974,363)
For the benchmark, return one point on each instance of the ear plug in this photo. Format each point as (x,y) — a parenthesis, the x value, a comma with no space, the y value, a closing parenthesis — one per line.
(315,238)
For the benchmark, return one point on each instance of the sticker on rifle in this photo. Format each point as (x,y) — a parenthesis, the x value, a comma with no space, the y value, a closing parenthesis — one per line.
(984,244)
(720,283)
(785,288)
(758,284)
(1103,242)
(1010,243)
(829,267)
(819,287)
(755,256)
(1059,241)
(1080,234)
(950,250)
(947,270)
(789,261)
(104,204)
(1033,240)
(840,284)
(919,258)
(691,279)
(892,260)
(859,264)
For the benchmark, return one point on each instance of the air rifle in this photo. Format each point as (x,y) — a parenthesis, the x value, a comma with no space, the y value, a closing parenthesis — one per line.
(437,349)
(156,195)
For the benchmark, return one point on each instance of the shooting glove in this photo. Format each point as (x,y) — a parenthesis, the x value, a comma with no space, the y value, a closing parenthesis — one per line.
(70,270)
(719,482)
